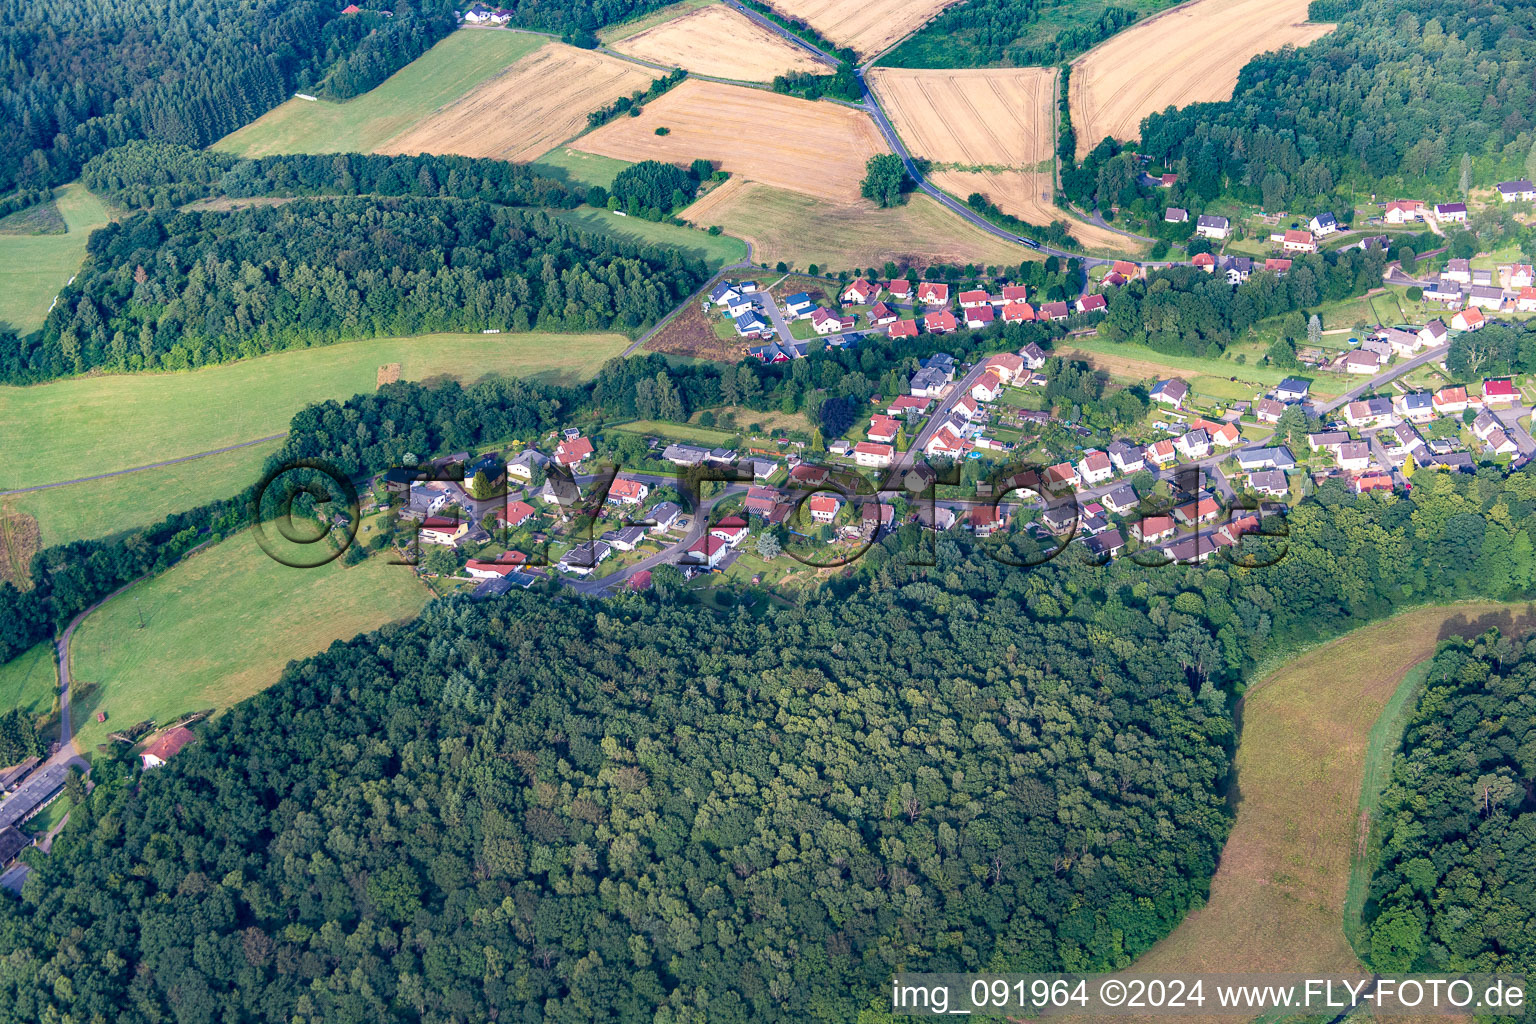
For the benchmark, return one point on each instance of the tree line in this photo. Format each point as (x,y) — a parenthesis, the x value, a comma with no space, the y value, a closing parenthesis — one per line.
(174,290)
(80,81)
(1007,33)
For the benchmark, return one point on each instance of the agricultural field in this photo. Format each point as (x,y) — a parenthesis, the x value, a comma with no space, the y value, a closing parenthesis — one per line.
(801,230)
(991,131)
(1188,54)
(717,40)
(1278,893)
(99,508)
(218,628)
(867,28)
(100,424)
(437,78)
(35,267)
(815,148)
(716,250)
(30,681)
(621,30)
(535,104)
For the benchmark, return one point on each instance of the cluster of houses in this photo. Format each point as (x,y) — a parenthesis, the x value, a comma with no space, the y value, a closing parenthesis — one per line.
(479,14)
(1509,287)
(961,431)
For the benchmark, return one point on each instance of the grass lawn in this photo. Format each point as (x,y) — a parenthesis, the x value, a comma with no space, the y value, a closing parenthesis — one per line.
(715,250)
(102,507)
(1277,898)
(35,267)
(1207,376)
(634,26)
(30,681)
(220,627)
(98,424)
(438,77)
(565,164)
(676,431)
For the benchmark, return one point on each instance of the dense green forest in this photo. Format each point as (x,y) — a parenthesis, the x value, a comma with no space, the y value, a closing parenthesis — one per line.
(640,810)
(1395,96)
(146,173)
(183,289)
(1010,33)
(1503,347)
(1456,881)
(78,79)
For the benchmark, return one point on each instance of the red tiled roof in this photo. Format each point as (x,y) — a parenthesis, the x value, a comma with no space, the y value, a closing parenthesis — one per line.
(169,744)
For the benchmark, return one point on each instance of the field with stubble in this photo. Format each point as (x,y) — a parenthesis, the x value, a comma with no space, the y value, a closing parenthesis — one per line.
(722,42)
(538,102)
(815,148)
(867,27)
(1188,54)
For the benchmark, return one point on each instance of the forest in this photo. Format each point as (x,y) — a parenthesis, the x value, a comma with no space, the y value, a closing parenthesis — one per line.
(641,810)
(145,174)
(1396,96)
(72,86)
(172,290)
(1455,881)
(1005,33)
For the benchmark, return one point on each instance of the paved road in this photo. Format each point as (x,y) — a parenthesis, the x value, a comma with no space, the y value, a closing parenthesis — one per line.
(1427,356)
(1511,420)
(152,465)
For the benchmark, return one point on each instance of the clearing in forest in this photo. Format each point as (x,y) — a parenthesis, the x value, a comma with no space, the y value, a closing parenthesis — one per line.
(816,148)
(801,230)
(1188,54)
(34,267)
(720,41)
(1277,899)
(537,103)
(866,27)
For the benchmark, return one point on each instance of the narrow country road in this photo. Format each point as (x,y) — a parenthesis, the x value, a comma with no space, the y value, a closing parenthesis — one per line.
(1428,355)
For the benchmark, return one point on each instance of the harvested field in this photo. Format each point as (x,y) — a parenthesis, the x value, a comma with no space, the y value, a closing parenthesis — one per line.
(537,103)
(869,28)
(800,230)
(18,543)
(1188,54)
(720,41)
(816,148)
(1278,897)
(388,374)
(991,131)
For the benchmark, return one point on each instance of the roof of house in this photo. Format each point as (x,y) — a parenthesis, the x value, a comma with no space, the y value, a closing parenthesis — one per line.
(1516,186)
(825,504)
(873,448)
(1210,221)
(1297,237)
(1450,207)
(980,314)
(1173,387)
(573,450)
(904,329)
(1500,389)
(1471,315)
(169,743)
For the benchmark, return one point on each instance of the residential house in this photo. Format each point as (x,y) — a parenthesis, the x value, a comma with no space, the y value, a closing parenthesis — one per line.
(573,451)
(945,443)
(1194,444)
(1415,407)
(1486,296)
(1500,443)
(1482,277)
(1521,275)
(1013,293)
(823,507)
(166,746)
(1525,302)
(942,322)
(737,307)
(1204,261)
(445,530)
(1127,458)
(881,314)
(663,516)
(1060,477)
(1353,456)
(937,517)
(1455,213)
(1208,226)
(930,293)
(507,563)
(900,289)
(903,329)
(975,299)
(1271,483)
(1175,215)
(526,463)
(761,501)
(1330,439)
(1516,191)
(979,316)
(1500,392)
(1403,211)
(1402,343)
(908,405)
(1371,482)
(732,529)
(1277,266)
(873,455)
(1008,366)
(1450,401)
(559,490)
(1228,533)
(1057,311)
(1403,439)
(1434,333)
(514,514)
(1121,500)
(807,475)
(1162,452)
(1359,361)
(987,387)
(1279,457)
(1094,468)
(1469,319)
(986,520)
(1323,224)
(883,429)
(1298,241)
(1092,304)
(1370,412)
(798,305)
(965,408)
(429,498)
(928,382)
(1018,312)
(1105,545)
(1061,519)
(626,538)
(1267,410)
(724,293)
(1153,529)
(1033,356)
(685,454)
(1238,268)
(1443,289)
(860,292)
(1459,271)
(624,491)
(1170,392)
(1456,462)
(708,551)
(761,467)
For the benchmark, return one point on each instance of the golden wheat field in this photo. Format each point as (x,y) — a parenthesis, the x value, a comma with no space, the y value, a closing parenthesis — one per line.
(535,104)
(867,27)
(1188,54)
(815,148)
(719,41)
